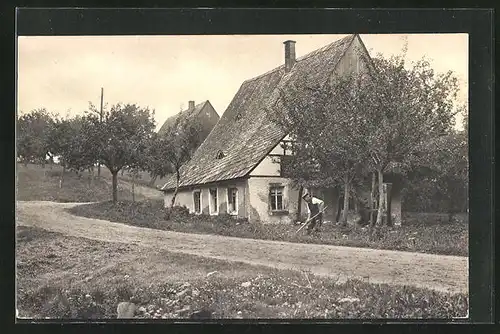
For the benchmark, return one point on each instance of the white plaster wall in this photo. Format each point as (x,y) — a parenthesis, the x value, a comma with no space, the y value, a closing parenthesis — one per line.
(259,210)
(185,197)
(267,167)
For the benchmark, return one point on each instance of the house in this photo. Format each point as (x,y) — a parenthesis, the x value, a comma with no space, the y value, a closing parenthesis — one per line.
(237,170)
(203,112)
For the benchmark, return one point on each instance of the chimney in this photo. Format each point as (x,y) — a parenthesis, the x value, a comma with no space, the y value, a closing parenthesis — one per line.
(191,105)
(289,55)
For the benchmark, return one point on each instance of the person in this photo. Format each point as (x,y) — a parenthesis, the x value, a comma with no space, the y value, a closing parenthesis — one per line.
(315,208)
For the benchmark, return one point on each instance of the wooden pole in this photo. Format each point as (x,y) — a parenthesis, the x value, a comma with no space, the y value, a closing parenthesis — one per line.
(310,219)
(100,120)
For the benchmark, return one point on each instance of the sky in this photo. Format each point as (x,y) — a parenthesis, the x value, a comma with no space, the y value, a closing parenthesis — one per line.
(64,73)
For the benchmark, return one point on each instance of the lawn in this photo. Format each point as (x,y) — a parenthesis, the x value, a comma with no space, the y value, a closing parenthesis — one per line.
(35,183)
(424,233)
(67,277)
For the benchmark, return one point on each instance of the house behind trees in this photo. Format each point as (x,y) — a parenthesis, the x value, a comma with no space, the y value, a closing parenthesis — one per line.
(203,113)
(238,170)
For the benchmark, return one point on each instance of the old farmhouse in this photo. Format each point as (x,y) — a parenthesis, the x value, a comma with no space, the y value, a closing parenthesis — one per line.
(236,170)
(204,113)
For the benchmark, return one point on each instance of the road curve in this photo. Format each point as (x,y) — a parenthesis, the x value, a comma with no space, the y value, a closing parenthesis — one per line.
(438,272)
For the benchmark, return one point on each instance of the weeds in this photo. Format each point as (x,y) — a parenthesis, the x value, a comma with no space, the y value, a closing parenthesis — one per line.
(426,235)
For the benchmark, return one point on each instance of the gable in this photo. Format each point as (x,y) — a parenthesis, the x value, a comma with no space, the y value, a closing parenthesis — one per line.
(186,115)
(245,134)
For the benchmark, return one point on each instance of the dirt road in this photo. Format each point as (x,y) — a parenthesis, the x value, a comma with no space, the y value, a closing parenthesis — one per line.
(439,272)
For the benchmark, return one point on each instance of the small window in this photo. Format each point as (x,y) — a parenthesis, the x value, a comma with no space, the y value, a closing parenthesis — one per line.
(214,204)
(276,198)
(232,201)
(197,201)
(220,155)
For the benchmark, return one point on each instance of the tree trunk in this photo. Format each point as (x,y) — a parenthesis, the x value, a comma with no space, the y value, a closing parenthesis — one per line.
(115,186)
(172,203)
(381,203)
(61,179)
(98,169)
(299,204)
(339,208)
(133,187)
(346,201)
(372,200)
(153,180)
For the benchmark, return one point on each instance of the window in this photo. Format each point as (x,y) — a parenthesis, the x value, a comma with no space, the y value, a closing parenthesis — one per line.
(276,198)
(197,201)
(232,201)
(214,204)
(220,155)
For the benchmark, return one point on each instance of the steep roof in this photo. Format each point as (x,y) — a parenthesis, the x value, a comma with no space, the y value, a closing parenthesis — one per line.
(185,115)
(244,133)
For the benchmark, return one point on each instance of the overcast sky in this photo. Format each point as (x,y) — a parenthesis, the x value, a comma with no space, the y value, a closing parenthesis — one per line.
(63,73)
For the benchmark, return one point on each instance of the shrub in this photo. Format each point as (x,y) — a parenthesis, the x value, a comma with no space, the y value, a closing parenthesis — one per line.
(421,233)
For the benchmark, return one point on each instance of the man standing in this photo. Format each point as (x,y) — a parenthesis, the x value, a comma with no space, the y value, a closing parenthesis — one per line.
(315,208)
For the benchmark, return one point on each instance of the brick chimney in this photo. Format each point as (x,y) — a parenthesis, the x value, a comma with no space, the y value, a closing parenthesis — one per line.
(191,105)
(289,54)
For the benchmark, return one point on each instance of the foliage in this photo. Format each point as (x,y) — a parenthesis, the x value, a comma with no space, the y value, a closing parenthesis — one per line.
(71,141)
(33,132)
(420,233)
(178,143)
(366,121)
(157,150)
(443,173)
(121,138)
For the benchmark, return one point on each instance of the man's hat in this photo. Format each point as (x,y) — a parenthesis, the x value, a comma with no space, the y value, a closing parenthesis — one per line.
(305,195)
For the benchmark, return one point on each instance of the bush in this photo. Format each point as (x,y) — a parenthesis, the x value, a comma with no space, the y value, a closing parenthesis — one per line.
(423,232)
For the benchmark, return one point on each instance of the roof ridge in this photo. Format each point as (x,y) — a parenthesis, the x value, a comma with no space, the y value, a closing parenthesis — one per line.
(306,56)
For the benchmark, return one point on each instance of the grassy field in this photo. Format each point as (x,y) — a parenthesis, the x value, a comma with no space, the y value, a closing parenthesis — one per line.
(421,233)
(42,184)
(66,277)
(144,178)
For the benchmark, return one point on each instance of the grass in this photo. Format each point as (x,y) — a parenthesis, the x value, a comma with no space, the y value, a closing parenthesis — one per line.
(67,277)
(420,233)
(35,183)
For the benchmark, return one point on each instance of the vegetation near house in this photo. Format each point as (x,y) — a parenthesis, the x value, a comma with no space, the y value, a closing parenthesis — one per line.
(373,122)
(426,233)
(359,131)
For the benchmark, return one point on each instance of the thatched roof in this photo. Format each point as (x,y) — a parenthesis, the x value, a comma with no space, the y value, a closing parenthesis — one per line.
(245,134)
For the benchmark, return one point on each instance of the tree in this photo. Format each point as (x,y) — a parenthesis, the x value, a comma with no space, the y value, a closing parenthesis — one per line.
(121,138)
(407,109)
(71,139)
(327,124)
(33,130)
(366,122)
(156,162)
(178,144)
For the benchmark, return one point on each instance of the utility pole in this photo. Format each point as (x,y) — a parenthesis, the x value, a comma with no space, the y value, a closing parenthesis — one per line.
(100,120)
